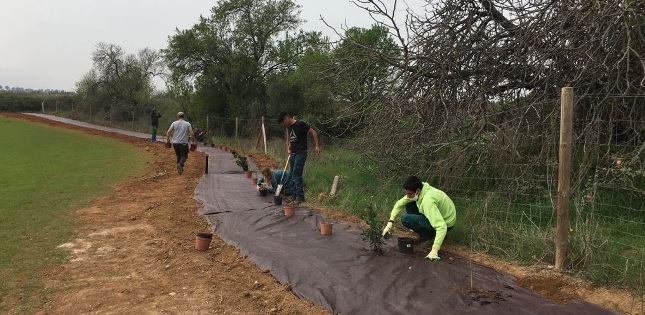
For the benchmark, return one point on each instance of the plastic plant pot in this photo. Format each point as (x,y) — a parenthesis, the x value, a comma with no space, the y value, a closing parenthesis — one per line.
(263,192)
(406,245)
(277,200)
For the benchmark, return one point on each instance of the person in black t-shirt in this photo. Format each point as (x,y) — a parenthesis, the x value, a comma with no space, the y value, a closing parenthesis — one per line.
(298,131)
(154,122)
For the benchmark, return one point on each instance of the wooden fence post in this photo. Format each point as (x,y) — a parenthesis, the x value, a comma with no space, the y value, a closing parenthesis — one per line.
(237,144)
(564,173)
(264,135)
(334,185)
(257,143)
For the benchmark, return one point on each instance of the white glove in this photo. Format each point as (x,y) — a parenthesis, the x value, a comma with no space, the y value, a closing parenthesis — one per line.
(434,255)
(387,228)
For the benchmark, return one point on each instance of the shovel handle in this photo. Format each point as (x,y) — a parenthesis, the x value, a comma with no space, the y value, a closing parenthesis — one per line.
(277,191)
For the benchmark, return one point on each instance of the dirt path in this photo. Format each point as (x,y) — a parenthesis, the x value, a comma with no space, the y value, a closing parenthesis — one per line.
(134,253)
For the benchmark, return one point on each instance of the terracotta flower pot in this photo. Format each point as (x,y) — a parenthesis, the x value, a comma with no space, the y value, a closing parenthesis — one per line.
(193,147)
(248,174)
(254,181)
(325,228)
(203,240)
(289,211)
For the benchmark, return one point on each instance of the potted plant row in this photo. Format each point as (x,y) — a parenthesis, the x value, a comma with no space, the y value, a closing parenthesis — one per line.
(242,161)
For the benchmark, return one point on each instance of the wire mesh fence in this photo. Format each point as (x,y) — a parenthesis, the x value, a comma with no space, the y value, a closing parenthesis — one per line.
(506,188)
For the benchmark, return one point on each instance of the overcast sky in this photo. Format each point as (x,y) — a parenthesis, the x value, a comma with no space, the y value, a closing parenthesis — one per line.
(49,43)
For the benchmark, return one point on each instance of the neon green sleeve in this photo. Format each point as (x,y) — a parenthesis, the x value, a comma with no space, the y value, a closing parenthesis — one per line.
(398,207)
(431,212)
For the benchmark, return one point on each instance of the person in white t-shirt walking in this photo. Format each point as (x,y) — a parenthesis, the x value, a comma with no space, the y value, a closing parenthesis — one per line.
(182,136)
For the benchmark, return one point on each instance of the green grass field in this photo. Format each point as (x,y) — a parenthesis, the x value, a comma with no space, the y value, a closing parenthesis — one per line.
(46,174)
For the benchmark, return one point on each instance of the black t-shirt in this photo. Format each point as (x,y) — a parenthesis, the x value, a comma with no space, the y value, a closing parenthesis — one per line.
(154,118)
(298,136)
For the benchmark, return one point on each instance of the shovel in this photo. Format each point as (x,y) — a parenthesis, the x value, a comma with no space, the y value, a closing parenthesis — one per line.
(279,189)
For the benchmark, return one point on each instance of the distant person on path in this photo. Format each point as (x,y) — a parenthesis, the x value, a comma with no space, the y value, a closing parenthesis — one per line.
(199,135)
(182,135)
(297,150)
(154,121)
(271,179)
(430,213)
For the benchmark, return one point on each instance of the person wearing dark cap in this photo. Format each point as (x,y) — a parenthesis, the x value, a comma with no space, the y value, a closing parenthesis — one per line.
(429,212)
(182,136)
(297,150)
(154,121)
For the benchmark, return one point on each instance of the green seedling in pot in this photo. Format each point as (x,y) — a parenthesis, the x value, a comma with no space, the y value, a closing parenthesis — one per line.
(242,162)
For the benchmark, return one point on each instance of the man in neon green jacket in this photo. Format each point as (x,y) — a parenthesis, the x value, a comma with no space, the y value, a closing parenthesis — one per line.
(430,213)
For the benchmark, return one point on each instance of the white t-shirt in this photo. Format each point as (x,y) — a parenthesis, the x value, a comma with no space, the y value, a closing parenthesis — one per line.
(180,131)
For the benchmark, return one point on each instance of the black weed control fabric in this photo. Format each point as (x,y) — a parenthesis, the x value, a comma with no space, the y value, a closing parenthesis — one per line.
(337,271)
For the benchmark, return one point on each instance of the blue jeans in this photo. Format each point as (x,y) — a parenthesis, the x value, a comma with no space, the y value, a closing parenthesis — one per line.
(154,133)
(298,160)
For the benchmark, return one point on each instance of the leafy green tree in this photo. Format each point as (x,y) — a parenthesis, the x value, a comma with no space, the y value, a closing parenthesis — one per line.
(362,74)
(232,52)
(120,79)
(305,87)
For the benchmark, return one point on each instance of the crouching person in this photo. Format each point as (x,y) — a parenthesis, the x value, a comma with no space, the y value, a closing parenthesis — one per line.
(429,212)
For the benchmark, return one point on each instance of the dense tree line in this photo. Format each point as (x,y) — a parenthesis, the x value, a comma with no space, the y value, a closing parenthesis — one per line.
(463,81)
(33,102)
(17,89)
